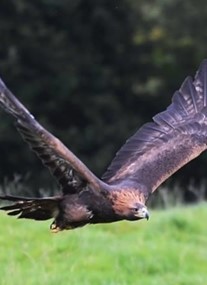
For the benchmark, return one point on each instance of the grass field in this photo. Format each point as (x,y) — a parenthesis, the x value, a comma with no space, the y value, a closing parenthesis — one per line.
(170,249)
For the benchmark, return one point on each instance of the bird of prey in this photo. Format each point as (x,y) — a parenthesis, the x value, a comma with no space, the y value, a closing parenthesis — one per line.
(156,151)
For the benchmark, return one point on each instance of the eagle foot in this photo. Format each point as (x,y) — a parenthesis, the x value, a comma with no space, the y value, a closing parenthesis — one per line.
(54,228)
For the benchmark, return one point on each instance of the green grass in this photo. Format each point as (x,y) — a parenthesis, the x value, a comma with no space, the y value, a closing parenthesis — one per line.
(169,249)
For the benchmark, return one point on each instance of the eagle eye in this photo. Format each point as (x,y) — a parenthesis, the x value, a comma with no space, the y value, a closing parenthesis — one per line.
(135,209)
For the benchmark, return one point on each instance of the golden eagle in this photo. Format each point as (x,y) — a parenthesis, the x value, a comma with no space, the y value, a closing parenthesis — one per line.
(156,151)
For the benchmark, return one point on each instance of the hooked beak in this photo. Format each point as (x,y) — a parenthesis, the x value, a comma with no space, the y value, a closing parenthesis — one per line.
(143,213)
(147,215)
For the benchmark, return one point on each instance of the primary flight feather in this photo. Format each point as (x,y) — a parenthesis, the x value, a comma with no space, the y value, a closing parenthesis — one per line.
(156,151)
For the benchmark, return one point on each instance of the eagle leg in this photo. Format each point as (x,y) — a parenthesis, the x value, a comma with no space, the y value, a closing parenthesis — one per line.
(54,228)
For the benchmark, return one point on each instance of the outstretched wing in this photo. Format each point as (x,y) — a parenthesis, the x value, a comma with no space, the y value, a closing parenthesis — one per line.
(160,148)
(70,172)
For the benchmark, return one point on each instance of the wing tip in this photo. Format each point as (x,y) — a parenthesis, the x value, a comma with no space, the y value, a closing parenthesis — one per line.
(2,85)
(203,63)
(201,69)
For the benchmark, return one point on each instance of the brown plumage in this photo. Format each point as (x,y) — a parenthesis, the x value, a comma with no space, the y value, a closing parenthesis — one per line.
(156,151)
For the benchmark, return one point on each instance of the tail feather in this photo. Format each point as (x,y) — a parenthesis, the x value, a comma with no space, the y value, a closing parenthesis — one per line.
(31,208)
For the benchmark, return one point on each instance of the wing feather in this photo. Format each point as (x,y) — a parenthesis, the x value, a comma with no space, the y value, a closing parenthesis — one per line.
(176,136)
(70,172)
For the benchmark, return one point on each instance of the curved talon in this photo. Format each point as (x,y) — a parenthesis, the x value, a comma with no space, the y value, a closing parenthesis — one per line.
(54,228)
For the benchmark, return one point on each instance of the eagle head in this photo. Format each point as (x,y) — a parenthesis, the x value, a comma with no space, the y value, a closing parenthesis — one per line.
(138,211)
(129,205)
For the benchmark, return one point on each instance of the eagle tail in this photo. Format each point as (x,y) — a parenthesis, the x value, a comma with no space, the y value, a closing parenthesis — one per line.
(32,208)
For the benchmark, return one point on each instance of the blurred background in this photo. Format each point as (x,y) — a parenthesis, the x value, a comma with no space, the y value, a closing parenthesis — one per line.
(93,72)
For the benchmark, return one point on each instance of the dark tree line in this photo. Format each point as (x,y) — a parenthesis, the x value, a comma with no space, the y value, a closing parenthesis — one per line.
(93,71)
